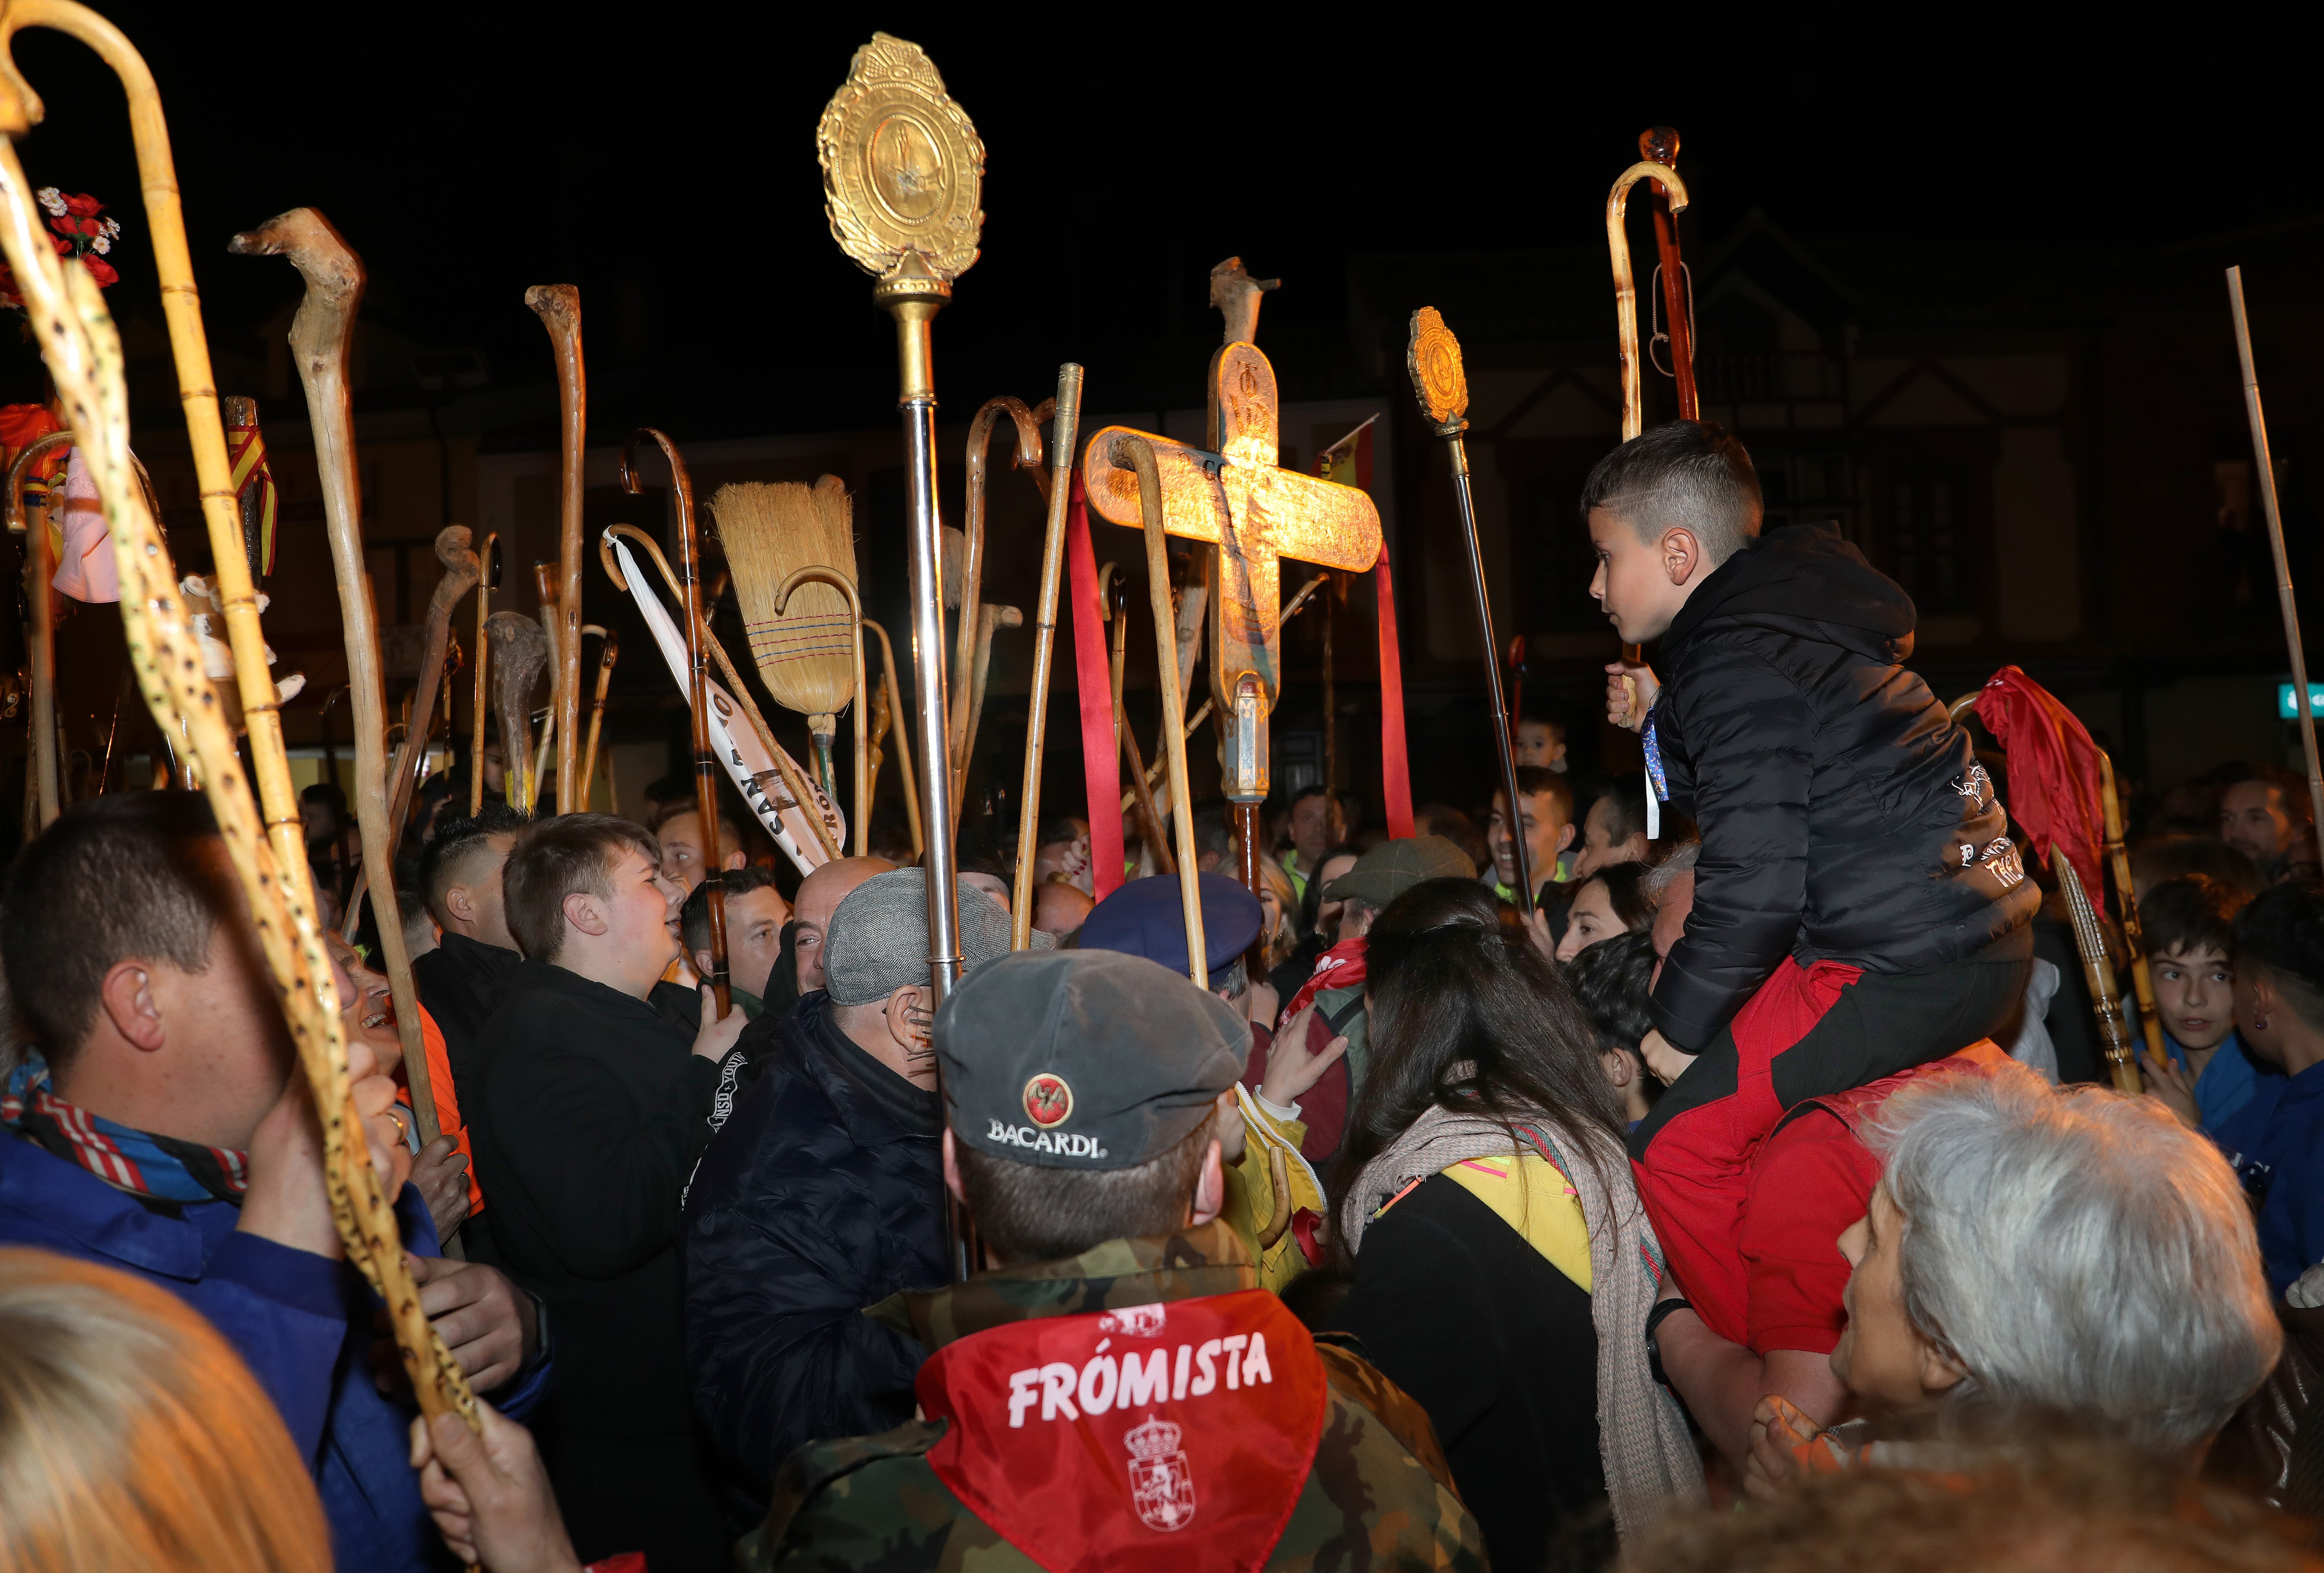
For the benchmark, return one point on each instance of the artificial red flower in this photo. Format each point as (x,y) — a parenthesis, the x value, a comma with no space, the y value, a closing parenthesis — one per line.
(83,206)
(64,247)
(102,271)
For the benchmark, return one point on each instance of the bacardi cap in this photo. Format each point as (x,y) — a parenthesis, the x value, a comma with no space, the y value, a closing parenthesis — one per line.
(1084,1059)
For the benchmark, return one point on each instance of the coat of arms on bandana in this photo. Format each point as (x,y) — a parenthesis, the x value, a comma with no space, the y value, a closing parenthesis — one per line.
(1161,1483)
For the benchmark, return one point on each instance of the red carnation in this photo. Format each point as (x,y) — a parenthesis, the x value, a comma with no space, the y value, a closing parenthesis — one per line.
(102,271)
(64,247)
(83,206)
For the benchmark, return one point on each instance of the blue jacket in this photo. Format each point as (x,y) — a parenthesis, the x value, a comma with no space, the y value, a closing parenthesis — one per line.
(2276,1143)
(303,1324)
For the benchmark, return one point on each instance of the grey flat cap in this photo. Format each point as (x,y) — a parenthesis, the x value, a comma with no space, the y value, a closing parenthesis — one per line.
(879,937)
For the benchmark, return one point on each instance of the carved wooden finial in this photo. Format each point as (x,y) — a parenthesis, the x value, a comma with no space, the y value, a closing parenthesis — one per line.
(1235,293)
(1659,144)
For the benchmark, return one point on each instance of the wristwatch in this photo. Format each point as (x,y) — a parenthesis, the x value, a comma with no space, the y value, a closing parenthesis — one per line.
(1653,1346)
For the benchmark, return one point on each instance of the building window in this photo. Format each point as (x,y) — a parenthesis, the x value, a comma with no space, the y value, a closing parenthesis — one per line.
(1929,536)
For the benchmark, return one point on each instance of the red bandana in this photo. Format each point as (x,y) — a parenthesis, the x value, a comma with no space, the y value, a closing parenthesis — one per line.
(1168,1436)
(1340,967)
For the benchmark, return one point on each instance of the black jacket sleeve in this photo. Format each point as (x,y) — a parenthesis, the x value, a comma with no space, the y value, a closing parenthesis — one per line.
(780,1349)
(1750,754)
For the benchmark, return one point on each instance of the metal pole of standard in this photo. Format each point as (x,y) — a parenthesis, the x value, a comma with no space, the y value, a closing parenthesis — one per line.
(2289,606)
(1515,822)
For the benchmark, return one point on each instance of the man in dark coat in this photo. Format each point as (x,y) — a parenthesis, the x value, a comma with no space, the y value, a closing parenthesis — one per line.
(460,880)
(1858,907)
(822,1194)
(598,1110)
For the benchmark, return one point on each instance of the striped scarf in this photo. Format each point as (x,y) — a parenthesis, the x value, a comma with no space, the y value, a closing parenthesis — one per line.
(141,1162)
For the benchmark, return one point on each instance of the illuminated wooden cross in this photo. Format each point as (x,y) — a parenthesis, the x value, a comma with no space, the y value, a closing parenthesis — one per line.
(1255,512)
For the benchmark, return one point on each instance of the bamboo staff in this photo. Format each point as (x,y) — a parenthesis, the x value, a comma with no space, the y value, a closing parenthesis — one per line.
(1140,454)
(903,742)
(83,352)
(609,650)
(2133,939)
(1067,418)
(40,787)
(319,337)
(2097,972)
(2284,602)
(559,305)
(793,781)
(815,573)
(1659,144)
(706,762)
(488,581)
(973,641)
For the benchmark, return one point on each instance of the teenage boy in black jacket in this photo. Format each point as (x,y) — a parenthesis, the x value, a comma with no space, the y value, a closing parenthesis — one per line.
(598,1110)
(1858,909)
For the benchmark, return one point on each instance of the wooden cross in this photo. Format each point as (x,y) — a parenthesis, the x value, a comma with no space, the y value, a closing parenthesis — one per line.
(1255,512)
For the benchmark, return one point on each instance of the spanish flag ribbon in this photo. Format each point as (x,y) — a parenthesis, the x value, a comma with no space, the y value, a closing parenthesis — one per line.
(247,451)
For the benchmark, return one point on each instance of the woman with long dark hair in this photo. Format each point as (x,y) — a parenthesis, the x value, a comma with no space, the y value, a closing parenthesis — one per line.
(1503,1267)
(1608,903)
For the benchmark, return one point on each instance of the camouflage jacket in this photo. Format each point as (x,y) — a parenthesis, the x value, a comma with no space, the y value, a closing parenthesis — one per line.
(1378,1495)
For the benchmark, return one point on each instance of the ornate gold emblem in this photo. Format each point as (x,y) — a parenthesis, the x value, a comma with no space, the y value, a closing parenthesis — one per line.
(902,166)
(1434,358)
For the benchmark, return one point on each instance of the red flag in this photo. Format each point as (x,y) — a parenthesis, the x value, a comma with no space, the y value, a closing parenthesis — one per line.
(2054,771)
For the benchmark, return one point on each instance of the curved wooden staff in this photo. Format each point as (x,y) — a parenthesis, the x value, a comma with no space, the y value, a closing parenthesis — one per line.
(816,574)
(902,735)
(698,635)
(793,782)
(462,572)
(1659,144)
(559,307)
(1140,454)
(319,337)
(1066,411)
(41,784)
(1626,288)
(546,591)
(236,595)
(83,352)
(489,581)
(1112,604)
(973,635)
(609,650)
(519,655)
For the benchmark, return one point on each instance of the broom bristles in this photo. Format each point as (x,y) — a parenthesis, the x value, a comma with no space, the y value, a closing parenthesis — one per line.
(771,529)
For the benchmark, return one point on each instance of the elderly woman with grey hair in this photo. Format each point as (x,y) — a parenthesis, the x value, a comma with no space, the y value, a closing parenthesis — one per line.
(2038,1258)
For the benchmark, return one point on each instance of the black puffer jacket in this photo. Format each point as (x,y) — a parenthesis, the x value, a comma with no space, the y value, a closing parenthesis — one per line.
(820,1196)
(1844,817)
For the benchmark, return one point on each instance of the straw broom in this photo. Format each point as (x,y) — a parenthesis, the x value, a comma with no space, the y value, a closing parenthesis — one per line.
(806,652)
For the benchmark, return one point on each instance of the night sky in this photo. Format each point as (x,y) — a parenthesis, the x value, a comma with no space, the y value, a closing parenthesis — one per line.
(666,163)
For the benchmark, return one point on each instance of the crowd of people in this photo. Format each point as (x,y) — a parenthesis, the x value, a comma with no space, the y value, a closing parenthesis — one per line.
(1536,1189)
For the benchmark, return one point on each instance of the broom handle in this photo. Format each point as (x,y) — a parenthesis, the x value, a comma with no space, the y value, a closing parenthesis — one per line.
(815,573)
(792,777)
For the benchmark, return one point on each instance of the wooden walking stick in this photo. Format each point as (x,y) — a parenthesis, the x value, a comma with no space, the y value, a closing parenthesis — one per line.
(609,650)
(1625,310)
(972,642)
(706,762)
(461,572)
(552,624)
(2285,602)
(41,786)
(1659,144)
(1434,358)
(519,655)
(83,352)
(490,581)
(319,337)
(1139,454)
(1114,605)
(895,697)
(1068,419)
(559,305)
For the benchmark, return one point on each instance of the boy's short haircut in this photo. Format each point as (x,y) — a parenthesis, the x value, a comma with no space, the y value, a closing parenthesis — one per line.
(730,834)
(2281,931)
(1548,723)
(1611,981)
(1030,1214)
(571,854)
(128,875)
(693,917)
(2191,913)
(449,854)
(1689,472)
(1541,781)
(1625,797)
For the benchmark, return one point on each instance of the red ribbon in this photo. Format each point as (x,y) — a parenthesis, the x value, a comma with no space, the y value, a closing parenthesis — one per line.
(2053,772)
(1395,768)
(1093,681)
